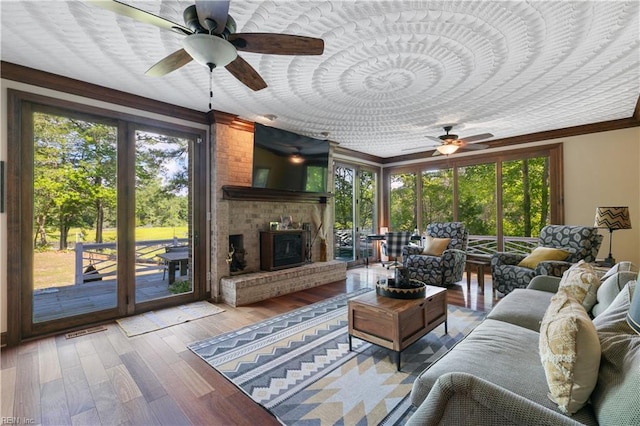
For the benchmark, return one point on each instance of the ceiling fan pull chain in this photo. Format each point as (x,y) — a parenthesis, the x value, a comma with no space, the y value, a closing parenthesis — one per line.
(210,87)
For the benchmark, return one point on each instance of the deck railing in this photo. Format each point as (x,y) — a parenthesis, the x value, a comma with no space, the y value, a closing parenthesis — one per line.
(95,261)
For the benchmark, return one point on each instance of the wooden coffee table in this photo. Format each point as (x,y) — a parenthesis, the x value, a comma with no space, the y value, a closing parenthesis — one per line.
(396,323)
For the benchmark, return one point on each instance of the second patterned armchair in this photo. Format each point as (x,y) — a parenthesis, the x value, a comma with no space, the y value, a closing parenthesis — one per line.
(577,242)
(439,267)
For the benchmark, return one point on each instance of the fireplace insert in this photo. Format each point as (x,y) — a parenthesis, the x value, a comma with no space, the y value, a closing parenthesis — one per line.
(281,249)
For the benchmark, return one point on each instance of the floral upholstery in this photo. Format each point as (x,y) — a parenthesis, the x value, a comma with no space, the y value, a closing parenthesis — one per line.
(442,270)
(582,242)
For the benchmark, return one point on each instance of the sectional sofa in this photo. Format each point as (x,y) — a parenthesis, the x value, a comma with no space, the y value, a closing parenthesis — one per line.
(497,375)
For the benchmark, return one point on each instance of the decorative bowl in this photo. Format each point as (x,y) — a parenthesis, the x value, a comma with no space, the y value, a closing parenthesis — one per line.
(414,290)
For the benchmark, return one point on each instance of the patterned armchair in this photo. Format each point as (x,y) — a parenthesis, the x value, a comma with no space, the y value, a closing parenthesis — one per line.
(582,243)
(442,270)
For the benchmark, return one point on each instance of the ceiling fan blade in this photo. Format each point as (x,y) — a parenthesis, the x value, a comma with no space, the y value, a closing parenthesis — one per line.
(216,11)
(476,137)
(247,75)
(277,44)
(433,138)
(473,146)
(140,15)
(170,63)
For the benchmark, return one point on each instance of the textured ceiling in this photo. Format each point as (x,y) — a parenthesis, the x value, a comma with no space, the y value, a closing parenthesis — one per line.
(391,72)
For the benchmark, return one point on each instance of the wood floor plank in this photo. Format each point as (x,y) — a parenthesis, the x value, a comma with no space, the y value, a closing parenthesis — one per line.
(26,403)
(194,382)
(84,346)
(89,417)
(105,351)
(93,369)
(110,409)
(119,341)
(168,412)
(53,403)
(140,412)
(123,384)
(48,362)
(9,357)
(177,345)
(68,356)
(7,386)
(145,379)
(78,392)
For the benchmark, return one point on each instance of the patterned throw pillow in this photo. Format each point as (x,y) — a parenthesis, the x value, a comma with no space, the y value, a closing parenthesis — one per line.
(435,246)
(569,351)
(582,282)
(540,254)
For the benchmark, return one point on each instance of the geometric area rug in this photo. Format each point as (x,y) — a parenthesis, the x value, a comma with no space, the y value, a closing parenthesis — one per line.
(299,367)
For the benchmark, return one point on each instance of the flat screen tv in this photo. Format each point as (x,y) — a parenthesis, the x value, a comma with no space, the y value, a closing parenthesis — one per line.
(288,161)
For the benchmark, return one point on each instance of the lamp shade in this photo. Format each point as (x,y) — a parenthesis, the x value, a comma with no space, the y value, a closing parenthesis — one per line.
(633,316)
(612,218)
(447,149)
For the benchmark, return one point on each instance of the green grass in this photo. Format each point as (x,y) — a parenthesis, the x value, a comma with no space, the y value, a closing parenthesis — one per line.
(54,268)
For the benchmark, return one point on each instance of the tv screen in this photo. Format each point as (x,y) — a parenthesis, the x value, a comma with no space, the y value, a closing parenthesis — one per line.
(286,160)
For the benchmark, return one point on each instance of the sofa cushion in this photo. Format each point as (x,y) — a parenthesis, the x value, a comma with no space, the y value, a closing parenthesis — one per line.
(616,398)
(523,307)
(610,288)
(435,246)
(540,254)
(570,352)
(582,283)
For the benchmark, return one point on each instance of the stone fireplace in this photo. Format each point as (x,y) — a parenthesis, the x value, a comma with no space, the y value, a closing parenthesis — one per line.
(232,159)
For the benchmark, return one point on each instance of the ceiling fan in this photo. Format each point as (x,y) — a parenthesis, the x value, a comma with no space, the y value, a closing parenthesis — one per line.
(211,40)
(449,143)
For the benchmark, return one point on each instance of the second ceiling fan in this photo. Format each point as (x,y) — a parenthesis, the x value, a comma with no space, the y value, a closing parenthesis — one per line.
(449,143)
(211,40)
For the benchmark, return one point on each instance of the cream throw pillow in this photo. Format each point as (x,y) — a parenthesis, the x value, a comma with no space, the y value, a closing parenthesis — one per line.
(540,254)
(569,351)
(581,281)
(435,246)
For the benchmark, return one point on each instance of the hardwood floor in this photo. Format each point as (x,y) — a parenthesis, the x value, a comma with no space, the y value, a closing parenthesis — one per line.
(107,378)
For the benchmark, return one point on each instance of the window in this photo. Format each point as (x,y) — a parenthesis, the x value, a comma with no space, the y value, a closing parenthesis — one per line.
(504,199)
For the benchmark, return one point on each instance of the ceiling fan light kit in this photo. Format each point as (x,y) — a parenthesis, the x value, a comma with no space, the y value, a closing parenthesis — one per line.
(447,149)
(208,49)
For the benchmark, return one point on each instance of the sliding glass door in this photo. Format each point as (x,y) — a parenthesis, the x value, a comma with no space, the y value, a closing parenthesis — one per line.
(103,216)
(355,211)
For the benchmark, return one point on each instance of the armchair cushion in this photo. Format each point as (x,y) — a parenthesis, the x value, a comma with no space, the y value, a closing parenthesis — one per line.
(435,246)
(540,254)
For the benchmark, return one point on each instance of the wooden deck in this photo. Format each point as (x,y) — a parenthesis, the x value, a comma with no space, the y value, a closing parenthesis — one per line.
(61,302)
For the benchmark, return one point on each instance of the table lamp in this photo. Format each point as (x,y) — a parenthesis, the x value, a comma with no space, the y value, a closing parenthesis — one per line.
(612,218)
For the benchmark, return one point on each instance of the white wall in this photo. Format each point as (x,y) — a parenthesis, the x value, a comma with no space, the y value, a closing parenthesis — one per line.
(603,169)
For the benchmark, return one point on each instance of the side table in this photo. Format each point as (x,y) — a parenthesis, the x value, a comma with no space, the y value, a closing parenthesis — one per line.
(477,262)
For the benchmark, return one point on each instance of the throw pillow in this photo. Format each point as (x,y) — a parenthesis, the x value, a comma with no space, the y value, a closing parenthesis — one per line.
(623,266)
(610,288)
(569,351)
(582,283)
(540,254)
(435,246)
(615,399)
